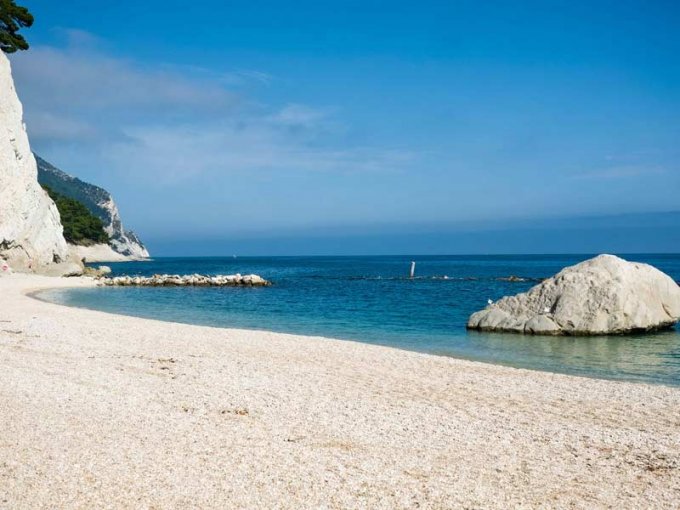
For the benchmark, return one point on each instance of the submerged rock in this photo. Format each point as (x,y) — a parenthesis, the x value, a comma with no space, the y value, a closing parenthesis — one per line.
(511,278)
(197,280)
(603,295)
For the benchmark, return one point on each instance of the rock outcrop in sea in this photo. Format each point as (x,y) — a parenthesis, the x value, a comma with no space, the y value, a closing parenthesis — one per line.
(124,244)
(603,295)
(31,234)
(191,280)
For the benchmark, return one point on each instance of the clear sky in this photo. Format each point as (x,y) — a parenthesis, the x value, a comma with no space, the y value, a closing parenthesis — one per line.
(366,127)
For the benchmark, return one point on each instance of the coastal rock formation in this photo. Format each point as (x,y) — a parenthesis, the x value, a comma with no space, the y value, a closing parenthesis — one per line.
(99,202)
(96,272)
(98,253)
(603,295)
(195,280)
(31,235)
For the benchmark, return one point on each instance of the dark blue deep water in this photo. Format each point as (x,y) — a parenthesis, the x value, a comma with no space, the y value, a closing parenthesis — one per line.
(370,299)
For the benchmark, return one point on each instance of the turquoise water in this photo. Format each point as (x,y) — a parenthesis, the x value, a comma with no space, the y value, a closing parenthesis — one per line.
(370,299)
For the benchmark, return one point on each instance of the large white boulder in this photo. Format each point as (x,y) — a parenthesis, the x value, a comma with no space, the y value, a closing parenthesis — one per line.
(31,235)
(603,295)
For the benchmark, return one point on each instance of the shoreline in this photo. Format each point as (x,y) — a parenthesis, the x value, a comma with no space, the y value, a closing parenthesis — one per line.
(104,409)
(33,295)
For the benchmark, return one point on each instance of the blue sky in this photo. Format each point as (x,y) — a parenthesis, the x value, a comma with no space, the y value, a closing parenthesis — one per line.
(364,127)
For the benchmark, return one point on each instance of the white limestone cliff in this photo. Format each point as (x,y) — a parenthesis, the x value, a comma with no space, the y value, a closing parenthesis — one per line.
(603,295)
(31,235)
(123,241)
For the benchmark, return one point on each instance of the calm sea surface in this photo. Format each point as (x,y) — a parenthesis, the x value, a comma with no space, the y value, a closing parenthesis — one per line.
(370,299)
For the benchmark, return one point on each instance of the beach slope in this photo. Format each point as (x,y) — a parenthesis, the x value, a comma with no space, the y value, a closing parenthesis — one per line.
(99,410)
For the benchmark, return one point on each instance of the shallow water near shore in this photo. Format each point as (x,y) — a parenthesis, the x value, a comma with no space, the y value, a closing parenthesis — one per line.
(371,299)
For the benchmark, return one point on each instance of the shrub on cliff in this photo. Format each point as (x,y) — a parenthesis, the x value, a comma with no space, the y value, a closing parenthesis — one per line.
(13,17)
(80,225)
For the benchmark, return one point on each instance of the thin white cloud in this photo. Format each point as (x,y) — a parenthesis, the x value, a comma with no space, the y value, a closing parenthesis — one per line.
(621,172)
(297,115)
(168,124)
(252,148)
(47,126)
(70,79)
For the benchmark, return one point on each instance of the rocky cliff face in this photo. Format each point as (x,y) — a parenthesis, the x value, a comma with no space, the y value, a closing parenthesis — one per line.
(31,235)
(99,202)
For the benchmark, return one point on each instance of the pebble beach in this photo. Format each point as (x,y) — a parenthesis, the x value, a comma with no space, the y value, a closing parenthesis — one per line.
(108,411)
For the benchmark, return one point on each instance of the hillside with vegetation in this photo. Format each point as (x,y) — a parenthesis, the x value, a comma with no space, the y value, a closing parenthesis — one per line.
(80,225)
(98,202)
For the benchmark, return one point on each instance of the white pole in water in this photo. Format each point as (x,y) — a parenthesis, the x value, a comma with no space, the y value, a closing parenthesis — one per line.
(413,269)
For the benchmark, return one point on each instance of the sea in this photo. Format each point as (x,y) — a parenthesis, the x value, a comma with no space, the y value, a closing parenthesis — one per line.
(371,299)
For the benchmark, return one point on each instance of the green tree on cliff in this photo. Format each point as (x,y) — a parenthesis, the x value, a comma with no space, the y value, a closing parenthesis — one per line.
(80,225)
(13,17)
